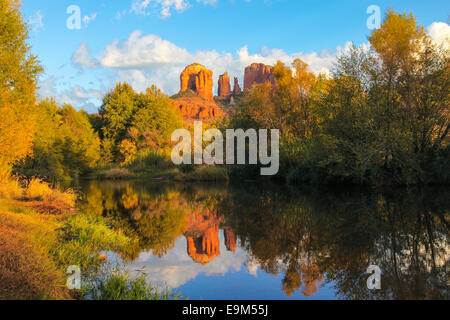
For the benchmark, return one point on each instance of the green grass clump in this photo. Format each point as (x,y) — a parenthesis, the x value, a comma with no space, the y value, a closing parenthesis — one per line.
(119,286)
(83,237)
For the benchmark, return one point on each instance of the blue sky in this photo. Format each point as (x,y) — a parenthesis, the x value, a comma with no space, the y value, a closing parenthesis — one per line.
(149,42)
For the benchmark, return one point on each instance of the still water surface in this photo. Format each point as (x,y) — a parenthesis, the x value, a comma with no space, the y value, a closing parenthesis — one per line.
(251,241)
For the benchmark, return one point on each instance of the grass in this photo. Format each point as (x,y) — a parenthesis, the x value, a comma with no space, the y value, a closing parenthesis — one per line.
(27,270)
(119,286)
(115,174)
(203,174)
(36,247)
(83,237)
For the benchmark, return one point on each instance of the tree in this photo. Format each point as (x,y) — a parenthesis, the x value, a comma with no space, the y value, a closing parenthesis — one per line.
(64,146)
(18,81)
(155,120)
(117,110)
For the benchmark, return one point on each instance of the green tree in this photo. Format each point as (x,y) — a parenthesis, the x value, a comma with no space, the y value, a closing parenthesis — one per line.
(155,120)
(117,111)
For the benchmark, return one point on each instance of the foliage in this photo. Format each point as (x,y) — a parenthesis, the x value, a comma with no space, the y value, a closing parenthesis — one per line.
(147,159)
(382,118)
(115,174)
(39,190)
(18,78)
(128,151)
(145,119)
(65,145)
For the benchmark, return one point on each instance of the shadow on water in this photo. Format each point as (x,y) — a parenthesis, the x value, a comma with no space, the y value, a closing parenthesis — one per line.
(311,240)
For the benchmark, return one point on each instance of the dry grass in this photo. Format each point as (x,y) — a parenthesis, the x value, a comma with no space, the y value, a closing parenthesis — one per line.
(27,271)
(116,174)
(204,174)
(48,199)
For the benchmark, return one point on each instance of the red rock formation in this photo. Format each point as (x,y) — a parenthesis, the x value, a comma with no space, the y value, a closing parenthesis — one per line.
(257,73)
(198,104)
(237,89)
(224,86)
(202,235)
(230,239)
(196,108)
(197,78)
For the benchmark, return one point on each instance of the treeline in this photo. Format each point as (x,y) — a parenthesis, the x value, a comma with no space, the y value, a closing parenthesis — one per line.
(382,118)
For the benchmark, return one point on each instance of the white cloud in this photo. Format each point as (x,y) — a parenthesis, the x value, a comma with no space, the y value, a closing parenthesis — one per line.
(88,19)
(143,60)
(440,33)
(163,7)
(36,21)
(77,96)
(176,268)
(81,58)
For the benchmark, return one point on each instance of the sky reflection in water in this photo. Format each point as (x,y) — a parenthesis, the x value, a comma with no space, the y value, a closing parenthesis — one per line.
(248,242)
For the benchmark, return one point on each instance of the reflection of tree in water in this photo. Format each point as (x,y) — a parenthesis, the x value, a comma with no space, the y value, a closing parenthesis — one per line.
(158,215)
(308,235)
(312,238)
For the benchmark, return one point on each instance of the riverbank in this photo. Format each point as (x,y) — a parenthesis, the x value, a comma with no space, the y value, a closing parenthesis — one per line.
(41,237)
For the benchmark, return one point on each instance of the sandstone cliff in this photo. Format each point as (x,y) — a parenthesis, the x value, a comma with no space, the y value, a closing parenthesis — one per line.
(257,73)
(196,100)
(196,108)
(224,86)
(197,78)
(236,89)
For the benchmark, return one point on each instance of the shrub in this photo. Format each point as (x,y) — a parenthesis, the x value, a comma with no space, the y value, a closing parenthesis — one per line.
(205,173)
(10,189)
(116,174)
(150,159)
(39,190)
(119,286)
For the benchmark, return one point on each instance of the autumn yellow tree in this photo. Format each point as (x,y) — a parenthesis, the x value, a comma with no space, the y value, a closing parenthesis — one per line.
(18,80)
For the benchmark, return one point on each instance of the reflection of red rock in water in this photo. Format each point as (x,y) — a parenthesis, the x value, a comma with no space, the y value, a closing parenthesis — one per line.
(202,235)
(230,239)
(206,247)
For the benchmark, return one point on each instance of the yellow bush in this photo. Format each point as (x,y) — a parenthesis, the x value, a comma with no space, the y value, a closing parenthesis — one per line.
(40,191)
(10,189)
(37,190)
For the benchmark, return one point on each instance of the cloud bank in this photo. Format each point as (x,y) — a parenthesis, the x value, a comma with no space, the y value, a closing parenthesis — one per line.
(146,59)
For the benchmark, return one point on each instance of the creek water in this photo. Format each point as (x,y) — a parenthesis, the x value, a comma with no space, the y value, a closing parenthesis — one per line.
(265,241)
